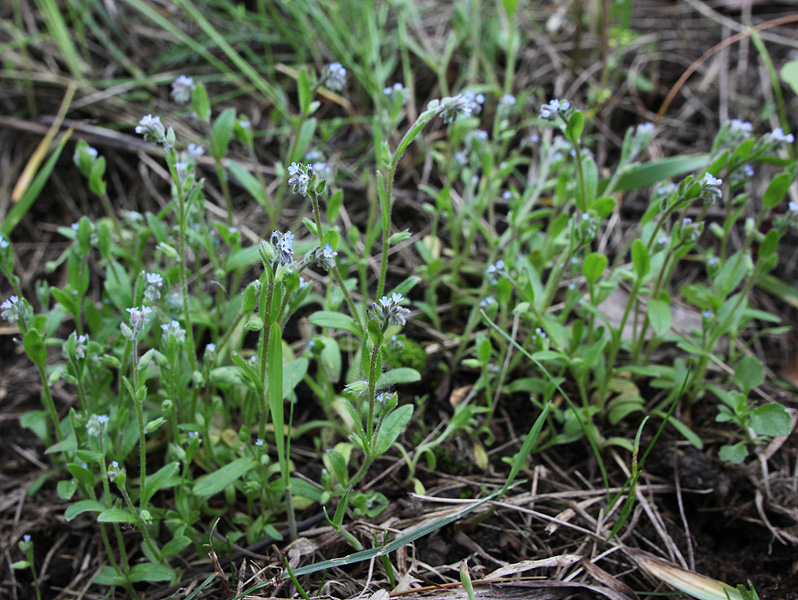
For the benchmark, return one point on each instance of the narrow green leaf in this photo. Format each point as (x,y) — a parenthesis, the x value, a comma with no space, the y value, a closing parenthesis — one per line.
(247,180)
(647,174)
(116,515)
(776,191)
(593,266)
(392,427)
(150,572)
(223,130)
(162,478)
(398,376)
(640,259)
(34,347)
(215,482)
(274,362)
(659,313)
(334,320)
(78,508)
(576,123)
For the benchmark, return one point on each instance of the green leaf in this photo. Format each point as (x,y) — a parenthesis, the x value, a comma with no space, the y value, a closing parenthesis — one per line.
(576,123)
(650,173)
(392,427)
(116,515)
(769,244)
(70,444)
(34,347)
(776,191)
(303,140)
(200,103)
(338,464)
(334,206)
(640,259)
(82,474)
(735,454)
(66,489)
(78,508)
(248,181)
(510,6)
(375,332)
(176,545)
(749,373)
(215,482)
(335,320)
(771,419)
(659,313)
(789,75)
(149,571)
(304,91)
(591,180)
(274,361)
(109,576)
(162,478)
(398,376)
(593,267)
(223,130)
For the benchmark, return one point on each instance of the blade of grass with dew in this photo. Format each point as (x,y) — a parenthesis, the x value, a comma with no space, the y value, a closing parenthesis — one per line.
(21,208)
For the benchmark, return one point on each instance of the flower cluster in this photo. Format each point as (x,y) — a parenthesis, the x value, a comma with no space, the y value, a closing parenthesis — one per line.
(138,320)
(154,284)
(192,153)
(14,309)
(495,271)
(710,188)
(115,471)
(152,129)
(96,425)
(173,329)
(397,89)
(182,88)
(451,107)
(333,77)
(81,346)
(553,108)
(325,256)
(777,136)
(387,310)
(299,178)
(315,160)
(284,244)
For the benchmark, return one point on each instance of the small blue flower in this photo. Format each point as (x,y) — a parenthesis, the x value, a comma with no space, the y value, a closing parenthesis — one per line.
(152,129)
(259,442)
(173,329)
(284,244)
(487,301)
(778,136)
(3,243)
(182,88)
(325,256)
(333,76)
(553,108)
(494,271)
(210,348)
